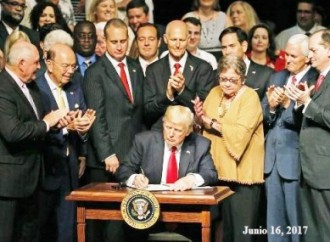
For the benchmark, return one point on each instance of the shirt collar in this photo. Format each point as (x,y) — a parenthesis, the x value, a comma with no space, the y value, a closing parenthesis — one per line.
(50,82)
(81,59)
(19,82)
(182,61)
(300,75)
(178,147)
(326,71)
(115,62)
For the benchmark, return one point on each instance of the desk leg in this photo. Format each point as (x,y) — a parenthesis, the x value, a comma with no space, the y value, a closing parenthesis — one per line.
(81,223)
(206,226)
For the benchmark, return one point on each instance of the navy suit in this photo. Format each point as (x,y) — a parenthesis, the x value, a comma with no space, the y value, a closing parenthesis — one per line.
(282,162)
(61,170)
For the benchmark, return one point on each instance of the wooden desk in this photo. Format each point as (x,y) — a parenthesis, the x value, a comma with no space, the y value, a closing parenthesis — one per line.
(180,207)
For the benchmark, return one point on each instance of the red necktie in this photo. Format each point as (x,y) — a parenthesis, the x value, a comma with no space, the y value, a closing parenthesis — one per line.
(293,80)
(124,80)
(177,68)
(319,82)
(172,167)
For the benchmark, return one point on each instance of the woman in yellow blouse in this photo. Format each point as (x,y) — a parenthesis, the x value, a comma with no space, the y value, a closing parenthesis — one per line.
(232,119)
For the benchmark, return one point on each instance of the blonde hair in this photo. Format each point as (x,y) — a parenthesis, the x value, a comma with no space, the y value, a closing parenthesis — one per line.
(251,15)
(180,115)
(91,13)
(13,38)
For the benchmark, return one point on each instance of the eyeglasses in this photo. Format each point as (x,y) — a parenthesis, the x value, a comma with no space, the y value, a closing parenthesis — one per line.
(230,80)
(15,4)
(66,67)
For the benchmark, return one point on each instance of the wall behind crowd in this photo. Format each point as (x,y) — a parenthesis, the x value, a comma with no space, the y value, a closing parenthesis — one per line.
(281,12)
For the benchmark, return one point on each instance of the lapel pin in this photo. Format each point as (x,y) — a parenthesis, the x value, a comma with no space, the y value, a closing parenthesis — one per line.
(191,68)
(188,152)
(253,72)
(134,70)
(76,105)
(71,93)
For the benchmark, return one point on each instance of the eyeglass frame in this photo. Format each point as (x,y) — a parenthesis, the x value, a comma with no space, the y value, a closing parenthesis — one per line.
(231,80)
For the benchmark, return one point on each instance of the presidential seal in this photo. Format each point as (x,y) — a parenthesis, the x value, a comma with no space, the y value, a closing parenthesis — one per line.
(140,209)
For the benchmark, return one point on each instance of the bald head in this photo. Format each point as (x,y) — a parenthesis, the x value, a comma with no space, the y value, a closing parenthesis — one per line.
(176,38)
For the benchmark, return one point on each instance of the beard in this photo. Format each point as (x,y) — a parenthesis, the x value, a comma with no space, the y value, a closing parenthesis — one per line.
(12,19)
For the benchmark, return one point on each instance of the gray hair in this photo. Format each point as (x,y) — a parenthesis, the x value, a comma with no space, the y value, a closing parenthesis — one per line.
(20,50)
(301,40)
(57,36)
(232,62)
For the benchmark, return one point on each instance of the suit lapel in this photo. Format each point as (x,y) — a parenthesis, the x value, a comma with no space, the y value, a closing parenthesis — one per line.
(323,87)
(113,75)
(187,152)
(188,70)
(132,72)
(157,157)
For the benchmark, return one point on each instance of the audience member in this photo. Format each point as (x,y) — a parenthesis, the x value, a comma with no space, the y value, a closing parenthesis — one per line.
(84,35)
(262,48)
(314,141)
(181,173)
(100,47)
(148,42)
(67,11)
(12,13)
(122,6)
(305,23)
(175,79)
(103,11)
(232,119)
(63,156)
(282,162)
(213,21)
(137,14)
(320,16)
(13,38)
(47,13)
(234,42)
(242,15)
(113,87)
(23,128)
(194,31)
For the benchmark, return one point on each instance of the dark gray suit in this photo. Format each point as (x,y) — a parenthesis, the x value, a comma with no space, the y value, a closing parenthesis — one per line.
(258,78)
(282,163)
(33,35)
(21,139)
(315,163)
(199,78)
(148,151)
(117,119)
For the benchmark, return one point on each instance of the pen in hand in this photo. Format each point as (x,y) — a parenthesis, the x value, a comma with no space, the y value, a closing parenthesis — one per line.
(141,181)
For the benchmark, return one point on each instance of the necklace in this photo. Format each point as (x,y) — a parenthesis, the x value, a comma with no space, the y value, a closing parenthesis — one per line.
(224,105)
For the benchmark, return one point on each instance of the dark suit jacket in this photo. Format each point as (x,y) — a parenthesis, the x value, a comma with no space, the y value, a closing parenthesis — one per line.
(56,166)
(258,78)
(199,78)
(33,35)
(315,139)
(21,139)
(117,119)
(148,151)
(282,140)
